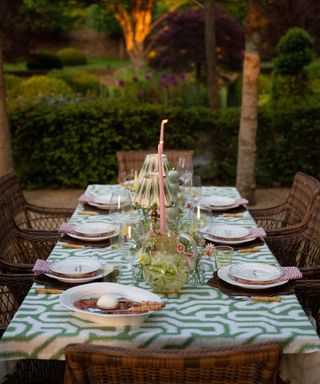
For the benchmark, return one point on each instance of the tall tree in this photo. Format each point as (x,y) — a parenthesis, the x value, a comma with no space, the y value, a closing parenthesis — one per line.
(6,160)
(19,22)
(211,55)
(246,164)
(136,21)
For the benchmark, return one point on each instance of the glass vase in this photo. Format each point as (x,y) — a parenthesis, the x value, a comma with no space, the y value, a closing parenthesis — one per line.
(167,260)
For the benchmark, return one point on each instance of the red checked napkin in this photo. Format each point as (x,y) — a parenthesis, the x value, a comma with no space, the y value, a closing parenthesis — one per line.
(289,273)
(238,202)
(255,232)
(43,266)
(86,199)
(67,228)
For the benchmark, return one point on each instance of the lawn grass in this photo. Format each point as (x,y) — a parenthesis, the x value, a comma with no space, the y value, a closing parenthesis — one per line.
(93,63)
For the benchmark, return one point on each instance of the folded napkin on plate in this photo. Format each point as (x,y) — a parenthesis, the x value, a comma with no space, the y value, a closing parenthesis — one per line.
(67,228)
(86,199)
(289,273)
(255,232)
(43,266)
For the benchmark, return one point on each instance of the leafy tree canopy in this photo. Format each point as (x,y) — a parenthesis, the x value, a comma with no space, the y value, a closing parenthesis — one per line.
(178,47)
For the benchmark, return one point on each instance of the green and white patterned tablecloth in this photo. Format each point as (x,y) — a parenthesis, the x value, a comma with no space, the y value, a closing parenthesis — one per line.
(199,316)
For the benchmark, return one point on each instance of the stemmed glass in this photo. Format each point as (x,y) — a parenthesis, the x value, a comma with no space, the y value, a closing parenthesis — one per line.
(185,168)
(120,203)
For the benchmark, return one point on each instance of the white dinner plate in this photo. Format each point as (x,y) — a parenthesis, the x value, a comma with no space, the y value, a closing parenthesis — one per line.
(255,272)
(71,280)
(104,201)
(209,237)
(216,201)
(95,231)
(224,275)
(229,232)
(95,290)
(75,266)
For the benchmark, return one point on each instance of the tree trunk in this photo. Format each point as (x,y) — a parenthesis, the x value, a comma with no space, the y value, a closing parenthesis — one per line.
(6,162)
(246,165)
(210,40)
(137,56)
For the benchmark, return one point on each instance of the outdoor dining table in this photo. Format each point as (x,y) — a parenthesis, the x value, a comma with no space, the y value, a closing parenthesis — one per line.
(199,316)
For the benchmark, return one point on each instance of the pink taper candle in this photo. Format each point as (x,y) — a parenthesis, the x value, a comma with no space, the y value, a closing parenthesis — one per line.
(161,181)
(163,122)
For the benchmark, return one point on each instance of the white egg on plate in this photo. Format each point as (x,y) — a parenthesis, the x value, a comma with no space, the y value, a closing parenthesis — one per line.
(108,301)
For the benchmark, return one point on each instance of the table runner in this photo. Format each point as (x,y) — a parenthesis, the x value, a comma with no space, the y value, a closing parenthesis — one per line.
(199,316)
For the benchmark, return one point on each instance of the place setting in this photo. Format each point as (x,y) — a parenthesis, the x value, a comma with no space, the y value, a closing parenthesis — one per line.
(219,204)
(95,234)
(108,202)
(251,278)
(235,235)
(73,271)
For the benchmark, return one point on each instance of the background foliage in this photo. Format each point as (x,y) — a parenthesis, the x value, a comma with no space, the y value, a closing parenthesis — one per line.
(74,143)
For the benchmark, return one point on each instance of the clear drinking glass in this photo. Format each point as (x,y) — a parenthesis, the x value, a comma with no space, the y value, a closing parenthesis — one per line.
(185,168)
(223,256)
(192,190)
(120,202)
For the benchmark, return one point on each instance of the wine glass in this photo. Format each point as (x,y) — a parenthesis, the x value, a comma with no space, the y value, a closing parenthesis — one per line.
(194,189)
(185,168)
(120,203)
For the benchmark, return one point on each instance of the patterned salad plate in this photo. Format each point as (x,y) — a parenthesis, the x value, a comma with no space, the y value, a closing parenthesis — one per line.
(227,234)
(225,275)
(255,272)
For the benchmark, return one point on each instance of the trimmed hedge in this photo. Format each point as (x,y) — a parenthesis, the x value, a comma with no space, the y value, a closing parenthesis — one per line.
(72,56)
(74,143)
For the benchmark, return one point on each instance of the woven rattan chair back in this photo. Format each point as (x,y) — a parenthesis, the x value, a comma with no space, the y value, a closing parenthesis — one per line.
(19,248)
(11,191)
(255,364)
(308,294)
(301,197)
(299,245)
(130,161)
(26,215)
(13,289)
(294,210)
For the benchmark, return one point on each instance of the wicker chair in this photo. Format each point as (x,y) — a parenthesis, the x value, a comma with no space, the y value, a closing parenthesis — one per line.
(308,294)
(13,289)
(294,210)
(20,249)
(299,245)
(26,215)
(129,161)
(102,364)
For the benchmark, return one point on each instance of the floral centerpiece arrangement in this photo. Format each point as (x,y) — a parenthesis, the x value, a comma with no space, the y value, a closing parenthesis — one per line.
(168,255)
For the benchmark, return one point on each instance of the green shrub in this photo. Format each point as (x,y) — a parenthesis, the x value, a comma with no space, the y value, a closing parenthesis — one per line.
(75,143)
(44,61)
(313,73)
(290,80)
(294,51)
(41,86)
(72,56)
(159,88)
(235,90)
(11,81)
(80,81)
